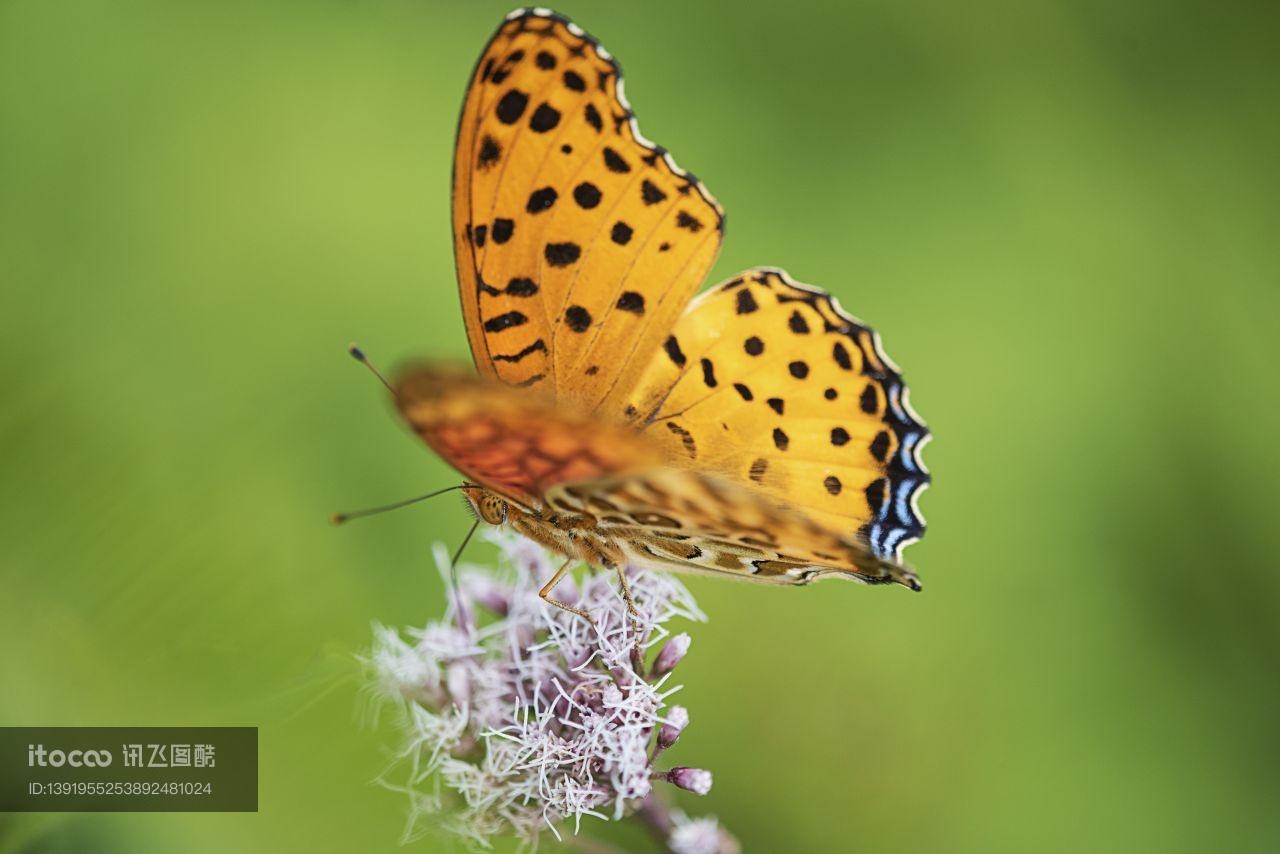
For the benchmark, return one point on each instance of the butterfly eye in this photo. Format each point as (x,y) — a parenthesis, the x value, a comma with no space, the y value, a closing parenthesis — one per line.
(492,510)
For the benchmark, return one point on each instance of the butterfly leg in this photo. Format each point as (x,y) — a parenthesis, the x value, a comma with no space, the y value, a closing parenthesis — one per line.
(597,552)
(626,590)
(545,593)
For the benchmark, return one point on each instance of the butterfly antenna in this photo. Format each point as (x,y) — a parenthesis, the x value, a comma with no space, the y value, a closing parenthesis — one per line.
(359,356)
(461,615)
(453,563)
(339,518)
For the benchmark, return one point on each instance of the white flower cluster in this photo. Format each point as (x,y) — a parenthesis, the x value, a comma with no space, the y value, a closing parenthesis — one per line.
(521,716)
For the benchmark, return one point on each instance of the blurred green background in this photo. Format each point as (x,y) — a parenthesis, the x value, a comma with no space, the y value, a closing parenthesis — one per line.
(1062,216)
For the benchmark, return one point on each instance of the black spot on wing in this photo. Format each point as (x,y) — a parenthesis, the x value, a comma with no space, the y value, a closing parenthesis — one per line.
(631,301)
(708,373)
(541,200)
(544,118)
(511,107)
(562,254)
(650,193)
(672,346)
(577,318)
(868,399)
(841,355)
(505,321)
(490,153)
(876,495)
(521,287)
(502,230)
(587,195)
(614,162)
(880,446)
(688,221)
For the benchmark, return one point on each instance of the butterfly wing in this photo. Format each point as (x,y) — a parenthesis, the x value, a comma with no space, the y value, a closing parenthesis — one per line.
(511,442)
(695,521)
(772,384)
(761,418)
(578,242)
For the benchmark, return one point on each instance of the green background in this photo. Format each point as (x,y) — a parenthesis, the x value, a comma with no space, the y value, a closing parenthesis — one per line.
(1062,216)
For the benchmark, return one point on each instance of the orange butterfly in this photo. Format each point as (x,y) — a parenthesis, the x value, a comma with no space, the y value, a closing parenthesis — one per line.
(757,432)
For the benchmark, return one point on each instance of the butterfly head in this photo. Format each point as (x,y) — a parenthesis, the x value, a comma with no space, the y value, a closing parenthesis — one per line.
(488,506)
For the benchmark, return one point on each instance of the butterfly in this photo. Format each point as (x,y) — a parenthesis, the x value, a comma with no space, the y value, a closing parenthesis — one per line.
(756,431)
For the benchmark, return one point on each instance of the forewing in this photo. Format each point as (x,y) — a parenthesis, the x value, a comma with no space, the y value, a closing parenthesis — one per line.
(771,383)
(512,442)
(694,521)
(578,241)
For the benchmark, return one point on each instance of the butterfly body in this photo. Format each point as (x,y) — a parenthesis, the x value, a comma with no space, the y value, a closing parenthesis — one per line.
(757,431)
(620,540)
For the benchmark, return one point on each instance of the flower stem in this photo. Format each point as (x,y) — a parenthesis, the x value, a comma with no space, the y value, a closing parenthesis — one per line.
(656,817)
(591,846)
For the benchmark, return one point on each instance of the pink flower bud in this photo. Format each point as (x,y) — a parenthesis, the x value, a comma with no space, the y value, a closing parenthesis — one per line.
(671,654)
(696,780)
(677,720)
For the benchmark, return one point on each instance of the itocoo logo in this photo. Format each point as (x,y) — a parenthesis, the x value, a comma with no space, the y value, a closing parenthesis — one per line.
(37,755)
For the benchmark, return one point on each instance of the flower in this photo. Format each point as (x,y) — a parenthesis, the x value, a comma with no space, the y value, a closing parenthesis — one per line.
(699,836)
(677,720)
(521,717)
(674,650)
(696,780)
